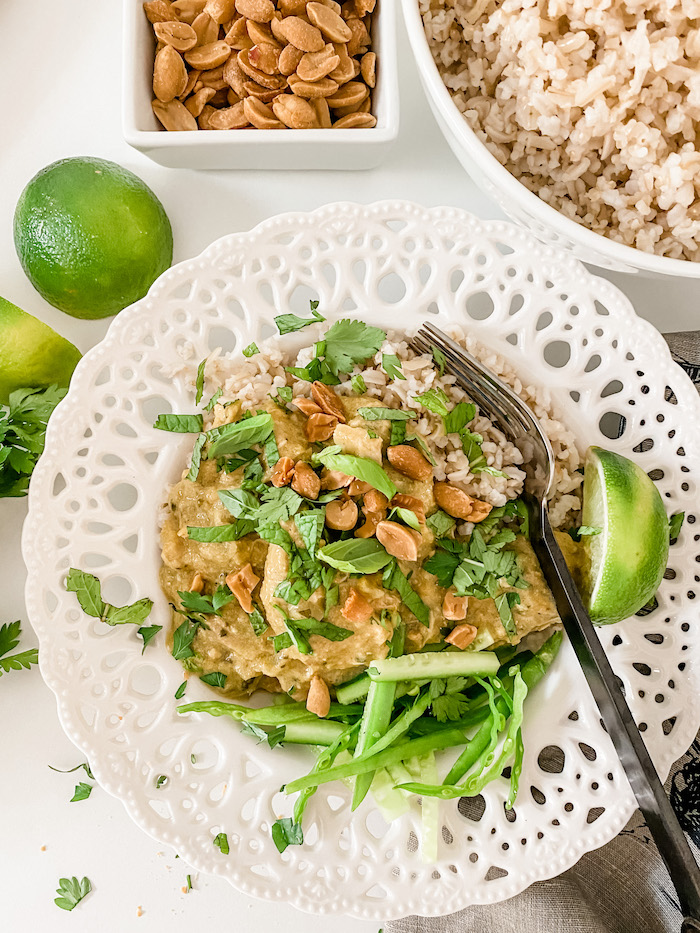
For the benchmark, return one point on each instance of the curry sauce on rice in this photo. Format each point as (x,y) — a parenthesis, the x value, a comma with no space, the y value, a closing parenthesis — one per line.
(593,106)
(332,498)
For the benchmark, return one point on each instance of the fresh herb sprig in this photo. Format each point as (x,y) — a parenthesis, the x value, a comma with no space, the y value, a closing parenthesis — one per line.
(71,892)
(9,639)
(23,434)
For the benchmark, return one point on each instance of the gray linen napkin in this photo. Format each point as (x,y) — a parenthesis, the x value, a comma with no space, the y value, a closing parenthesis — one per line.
(621,888)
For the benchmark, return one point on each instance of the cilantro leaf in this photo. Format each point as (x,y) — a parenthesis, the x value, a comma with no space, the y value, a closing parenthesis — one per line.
(82,792)
(286,832)
(199,383)
(349,342)
(391,365)
(148,633)
(358,384)
(448,707)
(288,323)
(183,638)
(179,424)
(22,435)
(443,565)
(251,350)
(197,602)
(71,892)
(214,679)
(18,662)
(9,636)
(221,842)
(675,523)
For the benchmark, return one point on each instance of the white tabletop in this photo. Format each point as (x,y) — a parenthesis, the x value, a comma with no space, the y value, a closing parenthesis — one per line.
(60,96)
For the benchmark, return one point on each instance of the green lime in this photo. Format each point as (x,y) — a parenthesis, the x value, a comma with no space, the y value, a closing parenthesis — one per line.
(628,558)
(31,353)
(91,236)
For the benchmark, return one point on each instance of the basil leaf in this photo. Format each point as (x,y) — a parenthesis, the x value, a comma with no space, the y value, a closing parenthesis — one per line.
(180,692)
(180,424)
(196,458)
(358,384)
(251,350)
(216,534)
(582,531)
(82,792)
(230,438)
(440,523)
(355,555)
(310,526)
(199,384)
(148,633)
(214,679)
(288,323)
(440,360)
(415,438)
(275,534)
(434,400)
(285,832)
(362,468)
(221,842)
(391,365)
(375,413)
(213,400)
(88,589)
(408,516)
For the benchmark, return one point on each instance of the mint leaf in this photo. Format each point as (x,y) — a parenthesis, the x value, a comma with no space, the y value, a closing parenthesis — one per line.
(391,365)
(504,605)
(251,350)
(435,401)
(376,413)
(179,424)
(398,433)
(88,589)
(440,360)
(459,417)
(230,438)
(258,622)
(271,450)
(310,526)
(358,384)
(213,400)
(135,613)
(440,523)
(216,534)
(196,458)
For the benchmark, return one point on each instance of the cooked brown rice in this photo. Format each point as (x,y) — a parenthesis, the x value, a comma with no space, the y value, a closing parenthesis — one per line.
(592,104)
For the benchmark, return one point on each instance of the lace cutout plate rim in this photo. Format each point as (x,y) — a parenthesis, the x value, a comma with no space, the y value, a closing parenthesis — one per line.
(93,503)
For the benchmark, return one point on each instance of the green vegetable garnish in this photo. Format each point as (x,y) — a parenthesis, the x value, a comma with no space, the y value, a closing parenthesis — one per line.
(180,424)
(391,365)
(230,438)
(22,435)
(362,468)
(9,639)
(71,892)
(251,350)
(288,323)
(88,589)
(355,555)
(221,842)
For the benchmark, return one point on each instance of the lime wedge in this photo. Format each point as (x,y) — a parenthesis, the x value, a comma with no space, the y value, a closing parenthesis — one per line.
(628,558)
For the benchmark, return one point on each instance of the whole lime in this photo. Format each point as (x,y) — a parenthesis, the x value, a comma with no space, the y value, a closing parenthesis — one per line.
(91,236)
(32,355)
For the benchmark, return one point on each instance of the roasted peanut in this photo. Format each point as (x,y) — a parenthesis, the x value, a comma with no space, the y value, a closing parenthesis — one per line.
(195,104)
(301,34)
(459,504)
(372,520)
(356,607)
(355,121)
(322,112)
(454,607)
(174,115)
(318,700)
(305,481)
(169,74)
(334,479)
(328,401)
(316,65)
(265,58)
(306,406)
(229,118)
(410,502)
(312,90)
(368,67)
(181,36)
(220,10)
(283,472)
(331,24)
(289,59)
(298,114)
(159,11)
(260,115)
(358,488)
(208,56)
(354,92)
(375,501)
(197,584)
(341,514)
(319,427)
(206,30)
(260,11)
(237,36)
(242,585)
(261,34)
(187,9)
(462,635)
(409,461)
(399,541)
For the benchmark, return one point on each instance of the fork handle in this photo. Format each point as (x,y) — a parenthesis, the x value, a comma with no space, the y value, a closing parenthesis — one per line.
(618,720)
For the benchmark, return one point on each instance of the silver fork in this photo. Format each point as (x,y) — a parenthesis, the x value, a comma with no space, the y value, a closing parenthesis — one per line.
(501,405)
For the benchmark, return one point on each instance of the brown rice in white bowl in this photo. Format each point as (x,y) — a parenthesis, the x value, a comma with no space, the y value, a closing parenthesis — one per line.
(593,107)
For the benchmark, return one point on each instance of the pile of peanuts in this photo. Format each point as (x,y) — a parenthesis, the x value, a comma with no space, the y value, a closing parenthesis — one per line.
(264,64)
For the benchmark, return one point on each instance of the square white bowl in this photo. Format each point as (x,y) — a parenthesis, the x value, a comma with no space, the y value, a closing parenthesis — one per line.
(257,149)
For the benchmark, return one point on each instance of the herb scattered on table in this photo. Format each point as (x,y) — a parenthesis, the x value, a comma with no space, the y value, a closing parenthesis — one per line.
(82,792)
(9,639)
(22,435)
(71,892)
(221,842)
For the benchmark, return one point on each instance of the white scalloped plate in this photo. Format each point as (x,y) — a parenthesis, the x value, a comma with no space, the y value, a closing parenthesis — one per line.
(94,501)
